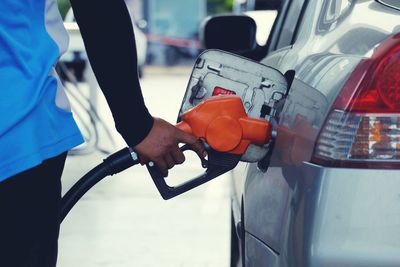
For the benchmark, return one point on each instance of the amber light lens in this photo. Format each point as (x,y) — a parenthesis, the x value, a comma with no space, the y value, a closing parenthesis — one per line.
(354,137)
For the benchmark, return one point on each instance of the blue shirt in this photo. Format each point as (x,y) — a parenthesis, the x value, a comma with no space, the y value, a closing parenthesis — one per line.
(36,122)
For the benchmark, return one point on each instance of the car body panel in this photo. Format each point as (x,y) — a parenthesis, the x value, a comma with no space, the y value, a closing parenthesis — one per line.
(353,216)
(306,214)
(332,215)
(258,254)
(266,206)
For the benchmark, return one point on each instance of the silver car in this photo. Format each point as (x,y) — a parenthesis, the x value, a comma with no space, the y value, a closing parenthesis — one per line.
(328,194)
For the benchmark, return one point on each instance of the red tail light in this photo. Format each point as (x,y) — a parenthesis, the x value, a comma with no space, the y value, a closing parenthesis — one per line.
(363,127)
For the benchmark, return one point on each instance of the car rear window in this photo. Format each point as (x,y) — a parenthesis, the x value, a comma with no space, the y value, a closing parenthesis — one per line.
(392,3)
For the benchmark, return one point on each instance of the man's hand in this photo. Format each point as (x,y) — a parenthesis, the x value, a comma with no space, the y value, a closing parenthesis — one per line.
(161,145)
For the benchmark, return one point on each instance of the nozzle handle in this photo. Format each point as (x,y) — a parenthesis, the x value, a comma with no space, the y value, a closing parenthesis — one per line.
(217,164)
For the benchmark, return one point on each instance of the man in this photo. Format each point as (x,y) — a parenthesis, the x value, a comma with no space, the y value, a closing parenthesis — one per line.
(37,128)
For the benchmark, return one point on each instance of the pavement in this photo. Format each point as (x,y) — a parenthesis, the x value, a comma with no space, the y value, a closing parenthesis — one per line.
(123,221)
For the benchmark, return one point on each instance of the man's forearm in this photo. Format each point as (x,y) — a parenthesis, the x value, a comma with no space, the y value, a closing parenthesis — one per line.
(108,35)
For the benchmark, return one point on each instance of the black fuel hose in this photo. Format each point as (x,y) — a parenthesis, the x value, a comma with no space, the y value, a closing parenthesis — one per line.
(113,164)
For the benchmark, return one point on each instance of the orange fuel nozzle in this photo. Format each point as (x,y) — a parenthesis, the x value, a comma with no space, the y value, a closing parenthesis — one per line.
(223,124)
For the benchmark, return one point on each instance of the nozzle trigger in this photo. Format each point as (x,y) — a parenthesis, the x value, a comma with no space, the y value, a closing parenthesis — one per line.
(217,164)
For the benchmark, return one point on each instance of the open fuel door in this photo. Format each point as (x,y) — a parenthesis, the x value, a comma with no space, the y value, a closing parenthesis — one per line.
(262,89)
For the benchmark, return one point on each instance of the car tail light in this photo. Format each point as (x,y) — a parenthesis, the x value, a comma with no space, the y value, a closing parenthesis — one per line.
(363,127)
(222,91)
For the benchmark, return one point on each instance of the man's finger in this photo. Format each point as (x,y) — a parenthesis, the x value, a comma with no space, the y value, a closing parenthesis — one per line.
(169,160)
(162,166)
(198,147)
(178,156)
(194,143)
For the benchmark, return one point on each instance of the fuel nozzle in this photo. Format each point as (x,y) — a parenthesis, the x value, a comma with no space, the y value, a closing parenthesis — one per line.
(222,124)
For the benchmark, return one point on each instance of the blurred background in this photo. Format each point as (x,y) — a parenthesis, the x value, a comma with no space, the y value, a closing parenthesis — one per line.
(123,221)
(170,27)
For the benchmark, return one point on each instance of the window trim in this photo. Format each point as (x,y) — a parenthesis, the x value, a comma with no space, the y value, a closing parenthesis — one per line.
(299,21)
(276,33)
(324,26)
(388,5)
